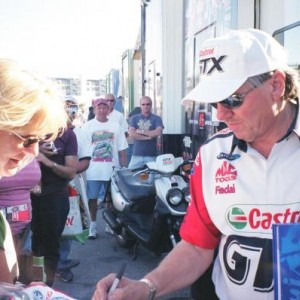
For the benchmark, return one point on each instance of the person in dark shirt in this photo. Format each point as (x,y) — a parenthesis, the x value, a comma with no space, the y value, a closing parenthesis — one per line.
(50,208)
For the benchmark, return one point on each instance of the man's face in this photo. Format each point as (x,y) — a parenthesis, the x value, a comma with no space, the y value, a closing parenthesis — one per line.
(101,111)
(71,109)
(146,106)
(253,121)
(111,102)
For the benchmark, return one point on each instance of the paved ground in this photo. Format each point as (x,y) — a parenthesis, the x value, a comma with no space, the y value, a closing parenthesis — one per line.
(102,256)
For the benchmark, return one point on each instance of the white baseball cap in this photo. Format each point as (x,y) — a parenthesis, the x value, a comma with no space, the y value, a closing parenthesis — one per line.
(70,98)
(226,62)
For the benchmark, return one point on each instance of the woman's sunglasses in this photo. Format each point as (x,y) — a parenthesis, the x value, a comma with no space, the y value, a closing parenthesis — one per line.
(28,141)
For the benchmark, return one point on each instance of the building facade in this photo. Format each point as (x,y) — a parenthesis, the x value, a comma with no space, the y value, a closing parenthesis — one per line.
(172,36)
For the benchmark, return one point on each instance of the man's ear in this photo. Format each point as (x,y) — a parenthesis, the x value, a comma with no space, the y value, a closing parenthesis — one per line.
(278,84)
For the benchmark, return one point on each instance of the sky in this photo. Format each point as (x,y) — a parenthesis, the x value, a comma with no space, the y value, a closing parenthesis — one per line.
(69,37)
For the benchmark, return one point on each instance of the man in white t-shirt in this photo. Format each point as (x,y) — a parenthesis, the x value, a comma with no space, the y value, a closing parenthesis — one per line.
(108,143)
(118,117)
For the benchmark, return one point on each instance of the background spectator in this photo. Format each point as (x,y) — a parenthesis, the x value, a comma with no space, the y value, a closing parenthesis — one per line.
(50,208)
(107,142)
(144,129)
(65,264)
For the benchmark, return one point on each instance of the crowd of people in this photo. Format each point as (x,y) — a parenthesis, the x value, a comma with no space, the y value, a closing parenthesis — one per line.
(246,78)
(43,155)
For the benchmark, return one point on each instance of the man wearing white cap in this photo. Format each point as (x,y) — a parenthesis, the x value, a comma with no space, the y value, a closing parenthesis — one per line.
(108,144)
(239,185)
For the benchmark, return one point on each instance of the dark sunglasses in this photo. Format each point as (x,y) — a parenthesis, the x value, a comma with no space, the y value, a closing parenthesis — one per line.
(27,142)
(110,100)
(148,104)
(235,100)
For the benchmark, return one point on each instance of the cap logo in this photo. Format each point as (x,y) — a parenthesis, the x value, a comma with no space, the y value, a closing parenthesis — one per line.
(209,65)
(208,51)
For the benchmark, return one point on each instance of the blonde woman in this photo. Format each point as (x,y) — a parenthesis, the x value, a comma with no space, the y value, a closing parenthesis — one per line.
(30,111)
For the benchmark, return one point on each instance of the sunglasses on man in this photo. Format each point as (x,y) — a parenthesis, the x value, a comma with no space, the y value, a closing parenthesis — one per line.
(235,100)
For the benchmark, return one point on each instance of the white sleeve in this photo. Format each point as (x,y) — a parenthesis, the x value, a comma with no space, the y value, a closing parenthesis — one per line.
(84,146)
(124,124)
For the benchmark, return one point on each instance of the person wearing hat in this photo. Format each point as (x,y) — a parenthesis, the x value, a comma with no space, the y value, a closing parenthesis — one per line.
(71,107)
(118,117)
(107,144)
(65,264)
(239,184)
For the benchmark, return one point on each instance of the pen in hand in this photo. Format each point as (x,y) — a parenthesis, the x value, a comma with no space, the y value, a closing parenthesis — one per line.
(117,278)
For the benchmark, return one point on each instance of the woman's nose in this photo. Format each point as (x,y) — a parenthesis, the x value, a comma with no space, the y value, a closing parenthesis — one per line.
(33,149)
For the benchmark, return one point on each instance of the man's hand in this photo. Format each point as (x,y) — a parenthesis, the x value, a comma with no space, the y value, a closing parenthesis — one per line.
(46,149)
(127,289)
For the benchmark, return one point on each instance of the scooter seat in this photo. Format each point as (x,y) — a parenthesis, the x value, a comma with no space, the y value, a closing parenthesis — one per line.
(132,187)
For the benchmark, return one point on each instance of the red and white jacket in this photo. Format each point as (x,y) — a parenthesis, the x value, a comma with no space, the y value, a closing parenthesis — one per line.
(237,194)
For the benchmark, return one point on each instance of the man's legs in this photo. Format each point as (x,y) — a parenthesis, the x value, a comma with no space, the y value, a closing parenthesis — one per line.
(93,190)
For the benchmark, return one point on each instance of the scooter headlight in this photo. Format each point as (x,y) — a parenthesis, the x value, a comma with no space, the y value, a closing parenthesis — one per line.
(187,194)
(174,196)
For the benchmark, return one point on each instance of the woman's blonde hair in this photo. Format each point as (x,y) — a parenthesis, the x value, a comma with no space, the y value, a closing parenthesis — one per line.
(28,104)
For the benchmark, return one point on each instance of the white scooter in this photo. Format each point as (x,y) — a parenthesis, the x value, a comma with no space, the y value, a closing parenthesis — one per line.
(149,203)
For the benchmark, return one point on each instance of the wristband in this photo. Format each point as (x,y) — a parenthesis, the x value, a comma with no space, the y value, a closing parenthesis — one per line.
(151,287)
(54,165)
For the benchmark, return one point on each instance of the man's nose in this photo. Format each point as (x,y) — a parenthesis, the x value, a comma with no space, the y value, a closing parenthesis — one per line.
(223,112)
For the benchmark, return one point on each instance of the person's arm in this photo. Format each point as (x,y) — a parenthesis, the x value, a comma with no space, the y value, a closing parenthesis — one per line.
(137,134)
(83,164)
(123,158)
(5,275)
(84,150)
(5,234)
(151,133)
(166,278)
(67,171)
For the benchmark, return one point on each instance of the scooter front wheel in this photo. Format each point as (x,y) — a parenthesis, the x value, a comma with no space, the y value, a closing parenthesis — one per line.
(125,239)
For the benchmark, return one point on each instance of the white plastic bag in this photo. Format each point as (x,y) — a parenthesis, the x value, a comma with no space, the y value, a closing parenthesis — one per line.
(76,226)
